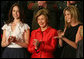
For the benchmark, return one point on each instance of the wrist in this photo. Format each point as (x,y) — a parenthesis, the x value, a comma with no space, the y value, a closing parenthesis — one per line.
(8,43)
(62,37)
(35,48)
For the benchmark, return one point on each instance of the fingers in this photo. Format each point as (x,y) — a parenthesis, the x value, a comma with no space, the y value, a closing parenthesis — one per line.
(59,31)
(11,39)
(35,42)
(56,37)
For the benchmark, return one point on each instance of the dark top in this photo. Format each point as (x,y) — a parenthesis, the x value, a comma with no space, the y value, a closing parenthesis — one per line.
(70,33)
(80,49)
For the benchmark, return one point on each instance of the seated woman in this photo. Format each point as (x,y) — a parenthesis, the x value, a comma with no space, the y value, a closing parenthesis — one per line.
(42,43)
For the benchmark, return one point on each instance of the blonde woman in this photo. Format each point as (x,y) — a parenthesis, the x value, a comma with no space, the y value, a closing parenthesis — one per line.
(69,38)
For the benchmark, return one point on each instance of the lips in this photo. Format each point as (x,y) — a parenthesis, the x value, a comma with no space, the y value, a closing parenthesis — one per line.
(68,20)
(41,24)
(16,15)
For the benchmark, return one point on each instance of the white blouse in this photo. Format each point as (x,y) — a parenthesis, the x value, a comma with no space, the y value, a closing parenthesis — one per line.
(17,32)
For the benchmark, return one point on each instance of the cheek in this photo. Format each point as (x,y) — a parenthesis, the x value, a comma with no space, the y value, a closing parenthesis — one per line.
(18,13)
(45,22)
(38,21)
(65,17)
(70,16)
(13,13)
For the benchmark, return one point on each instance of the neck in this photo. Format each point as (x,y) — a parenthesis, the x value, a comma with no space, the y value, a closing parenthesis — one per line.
(16,21)
(74,23)
(43,29)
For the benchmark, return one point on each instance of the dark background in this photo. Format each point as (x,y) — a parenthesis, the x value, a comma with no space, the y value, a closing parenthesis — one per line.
(5,6)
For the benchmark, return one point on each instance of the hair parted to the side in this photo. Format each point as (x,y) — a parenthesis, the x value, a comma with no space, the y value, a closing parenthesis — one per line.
(21,11)
(42,12)
(74,13)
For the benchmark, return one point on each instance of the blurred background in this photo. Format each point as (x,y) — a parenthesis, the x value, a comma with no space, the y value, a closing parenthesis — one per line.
(56,12)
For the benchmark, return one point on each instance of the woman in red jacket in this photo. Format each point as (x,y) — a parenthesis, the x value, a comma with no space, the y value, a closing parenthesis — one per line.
(42,43)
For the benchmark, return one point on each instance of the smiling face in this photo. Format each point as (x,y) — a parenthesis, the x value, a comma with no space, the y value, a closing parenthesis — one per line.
(15,12)
(42,21)
(71,15)
(67,16)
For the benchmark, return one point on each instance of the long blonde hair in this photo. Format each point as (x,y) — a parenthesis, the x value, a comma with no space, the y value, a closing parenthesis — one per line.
(74,14)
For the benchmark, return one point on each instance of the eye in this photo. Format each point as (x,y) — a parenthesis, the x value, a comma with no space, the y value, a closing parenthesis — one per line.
(64,14)
(42,18)
(13,10)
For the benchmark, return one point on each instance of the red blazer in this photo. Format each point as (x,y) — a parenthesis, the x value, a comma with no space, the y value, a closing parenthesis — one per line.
(48,43)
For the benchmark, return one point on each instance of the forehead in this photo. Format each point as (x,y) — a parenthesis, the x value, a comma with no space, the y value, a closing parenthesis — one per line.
(15,7)
(41,16)
(67,11)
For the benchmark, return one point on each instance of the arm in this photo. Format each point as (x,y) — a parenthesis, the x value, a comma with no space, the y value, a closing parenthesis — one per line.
(60,41)
(26,36)
(4,43)
(78,35)
(78,51)
(31,47)
(73,44)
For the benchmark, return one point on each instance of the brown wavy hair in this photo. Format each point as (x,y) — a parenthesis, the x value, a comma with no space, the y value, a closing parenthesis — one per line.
(44,12)
(10,17)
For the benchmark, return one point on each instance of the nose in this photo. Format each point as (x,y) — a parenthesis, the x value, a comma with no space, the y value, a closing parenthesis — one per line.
(40,21)
(15,12)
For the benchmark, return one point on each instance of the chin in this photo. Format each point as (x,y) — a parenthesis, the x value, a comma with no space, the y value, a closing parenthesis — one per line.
(42,26)
(68,21)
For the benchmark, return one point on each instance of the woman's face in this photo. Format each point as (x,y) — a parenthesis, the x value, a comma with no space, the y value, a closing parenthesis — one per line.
(67,16)
(15,12)
(42,21)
